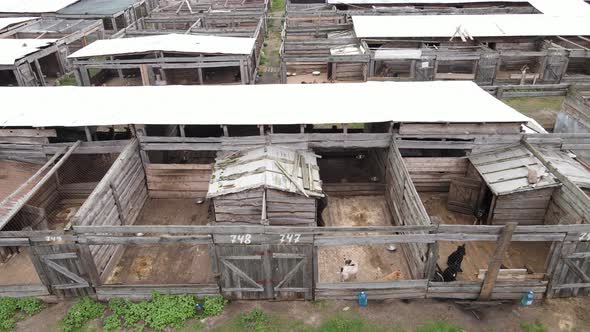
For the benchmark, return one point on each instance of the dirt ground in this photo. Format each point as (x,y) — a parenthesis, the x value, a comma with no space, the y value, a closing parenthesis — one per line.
(520,255)
(13,174)
(19,270)
(565,315)
(63,213)
(170,264)
(376,263)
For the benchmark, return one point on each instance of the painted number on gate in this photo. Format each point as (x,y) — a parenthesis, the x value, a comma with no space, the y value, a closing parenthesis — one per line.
(584,237)
(241,238)
(290,238)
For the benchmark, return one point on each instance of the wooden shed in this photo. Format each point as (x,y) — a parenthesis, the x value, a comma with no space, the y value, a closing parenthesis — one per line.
(508,194)
(269,185)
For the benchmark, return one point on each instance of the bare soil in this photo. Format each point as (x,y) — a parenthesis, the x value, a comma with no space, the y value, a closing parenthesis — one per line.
(13,174)
(158,264)
(19,270)
(532,255)
(555,315)
(376,263)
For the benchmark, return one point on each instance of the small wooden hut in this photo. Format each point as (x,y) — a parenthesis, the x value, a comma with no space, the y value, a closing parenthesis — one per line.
(269,185)
(518,187)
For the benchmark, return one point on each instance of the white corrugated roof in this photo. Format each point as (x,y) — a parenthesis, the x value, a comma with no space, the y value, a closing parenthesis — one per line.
(258,168)
(445,26)
(428,102)
(8,21)
(168,43)
(33,6)
(14,49)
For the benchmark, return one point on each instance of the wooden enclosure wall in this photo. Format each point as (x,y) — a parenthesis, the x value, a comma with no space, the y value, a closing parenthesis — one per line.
(405,206)
(458,129)
(243,207)
(178,180)
(526,208)
(284,208)
(117,200)
(435,174)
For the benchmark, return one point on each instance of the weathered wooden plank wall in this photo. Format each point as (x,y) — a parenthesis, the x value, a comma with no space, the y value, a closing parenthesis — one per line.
(405,206)
(243,207)
(178,180)
(284,208)
(526,208)
(435,174)
(117,200)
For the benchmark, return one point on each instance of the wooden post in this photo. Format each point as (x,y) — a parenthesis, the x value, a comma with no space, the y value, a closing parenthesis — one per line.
(145,77)
(182,132)
(267,268)
(40,73)
(494,266)
(84,76)
(88,134)
(243,72)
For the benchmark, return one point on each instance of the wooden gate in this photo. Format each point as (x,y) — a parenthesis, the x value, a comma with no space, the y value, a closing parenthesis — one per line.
(463,195)
(61,269)
(571,275)
(265,271)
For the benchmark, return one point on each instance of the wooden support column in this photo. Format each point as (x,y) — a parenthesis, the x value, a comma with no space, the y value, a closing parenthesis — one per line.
(114,23)
(88,134)
(119,70)
(494,266)
(243,72)
(200,73)
(85,78)
(140,131)
(181,129)
(145,76)
(225,130)
(40,73)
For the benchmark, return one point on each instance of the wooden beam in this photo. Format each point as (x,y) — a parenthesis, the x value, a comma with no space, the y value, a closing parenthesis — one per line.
(496,261)
(4,219)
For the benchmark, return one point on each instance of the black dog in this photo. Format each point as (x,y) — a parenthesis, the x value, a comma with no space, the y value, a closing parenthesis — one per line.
(456,258)
(448,275)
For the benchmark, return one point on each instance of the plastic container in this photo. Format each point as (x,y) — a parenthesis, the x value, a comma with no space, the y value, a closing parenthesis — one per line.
(527,298)
(363,301)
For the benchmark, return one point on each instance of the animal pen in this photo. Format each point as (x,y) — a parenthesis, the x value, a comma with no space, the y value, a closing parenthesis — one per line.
(169,59)
(114,14)
(39,49)
(184,213)
(340,43)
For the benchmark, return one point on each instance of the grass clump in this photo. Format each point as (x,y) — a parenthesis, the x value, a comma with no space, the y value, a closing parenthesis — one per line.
(532,327)
(67,80)
(438,326)
(162,312)
(347,324)
(111,323)
(213,306)
(80,313)
(13,310)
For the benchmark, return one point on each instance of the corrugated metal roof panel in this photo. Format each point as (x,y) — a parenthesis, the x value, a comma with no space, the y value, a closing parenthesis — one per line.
(269,167)
(506,170)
